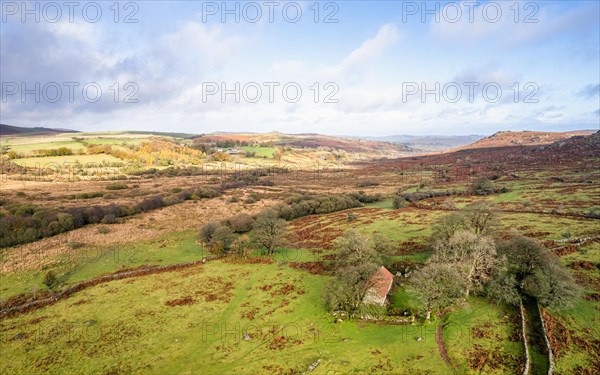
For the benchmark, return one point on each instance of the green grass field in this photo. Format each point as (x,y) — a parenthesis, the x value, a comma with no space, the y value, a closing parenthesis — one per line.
(195,320)
(86,262)
(280,308)
(30,147)
(260,151)
(116,141)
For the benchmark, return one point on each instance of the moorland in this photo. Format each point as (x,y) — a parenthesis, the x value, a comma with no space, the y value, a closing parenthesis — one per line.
(139,252)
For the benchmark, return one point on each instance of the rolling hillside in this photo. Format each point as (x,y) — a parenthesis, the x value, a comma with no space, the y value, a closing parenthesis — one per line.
(19,130)
(524,138)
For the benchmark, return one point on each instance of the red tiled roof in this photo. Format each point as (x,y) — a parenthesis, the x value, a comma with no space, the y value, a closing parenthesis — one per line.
(381,282)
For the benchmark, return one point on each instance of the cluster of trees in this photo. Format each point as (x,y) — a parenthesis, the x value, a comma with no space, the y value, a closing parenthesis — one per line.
(229,143)
(298,205)
(531,270)
(157,152)
(61,151)
(26,224)
(107,149)
(268,228)
(357,260)
(229,236)
(16,229)
(468,260)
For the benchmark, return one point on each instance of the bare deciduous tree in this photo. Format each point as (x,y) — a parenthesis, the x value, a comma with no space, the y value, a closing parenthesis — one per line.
(473,256)
(269,231)
(482,218)
(355,248)
(445,227)
(438,286)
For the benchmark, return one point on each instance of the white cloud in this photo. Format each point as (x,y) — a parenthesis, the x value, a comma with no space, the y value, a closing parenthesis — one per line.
(359,60)
(512,23)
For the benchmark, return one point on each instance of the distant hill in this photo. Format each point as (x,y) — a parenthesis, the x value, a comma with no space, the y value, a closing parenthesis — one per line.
(578,150)
(430,142)
(309,141)
(164,134)
(524,138)
(17,130)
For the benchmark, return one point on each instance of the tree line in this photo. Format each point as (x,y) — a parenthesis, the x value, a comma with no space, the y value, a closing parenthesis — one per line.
(28,223)
(468,259)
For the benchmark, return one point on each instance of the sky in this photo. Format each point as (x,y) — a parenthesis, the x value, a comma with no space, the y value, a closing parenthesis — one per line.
(363,68)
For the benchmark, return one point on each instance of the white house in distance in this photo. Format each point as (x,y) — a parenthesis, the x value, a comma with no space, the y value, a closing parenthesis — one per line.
(234,151)
(380,285)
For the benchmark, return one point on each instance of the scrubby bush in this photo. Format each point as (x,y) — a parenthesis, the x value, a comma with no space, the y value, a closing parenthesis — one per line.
(151,203)
(103,230)
(240,223)
(117,186)
(207,231)
(593,213)
(221,240)
(399,202)
(49,279)
(87,195)
(483,186)
(108,219)
(254,196)
(250,200)
(363,197)
(367,183)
